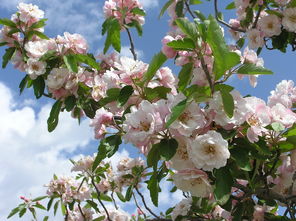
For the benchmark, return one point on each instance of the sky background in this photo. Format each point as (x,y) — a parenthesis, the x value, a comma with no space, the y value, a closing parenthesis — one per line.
(29,155)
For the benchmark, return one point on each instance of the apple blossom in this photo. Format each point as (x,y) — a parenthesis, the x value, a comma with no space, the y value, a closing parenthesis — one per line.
(208,151)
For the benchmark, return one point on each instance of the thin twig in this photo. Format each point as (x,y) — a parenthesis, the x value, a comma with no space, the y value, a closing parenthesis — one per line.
(137,204)
(80,210)
(114,202)
(100,201)
(189,10)
(257,16)
(145,205)
(132,48)
(208,75)
(223,22)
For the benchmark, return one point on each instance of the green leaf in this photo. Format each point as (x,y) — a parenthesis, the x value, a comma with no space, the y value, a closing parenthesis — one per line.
(182,44)
(227,99)
(93,205)
(167,148)
(224,182)
(157,61)
(39,198)
(176,112)
(39,24)
(46,218)
(51,54)
(7,22)
(179,9)
(154,189)
(291,131)
(228,103)
(153,156)
(106,24)
(278,127)
(112,94)
(113,35)
(105,197)
(185,76)
(199,94)
(3,44)
(40,35)
(89,60)
(112,144)
(223,58)
(39,206)
(22,212)
(195,2)
(49,204)
(230,6)
(137,25)
(101,218)
(70,103)
(159,92)
(107,148)
(7,56)
(129,193)
(39,86)
(13,212)
(125,94)
(23,84)
(71,62)
(138,11)
(241,157)
(53,119)
(102,153)
(120,196)
(187,28)
(252,69)
(165,7)
(13,31)
(200,15)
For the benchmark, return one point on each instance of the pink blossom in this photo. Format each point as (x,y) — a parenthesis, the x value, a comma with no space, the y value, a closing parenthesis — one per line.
(142,124)
(115,8)
(285,93)
(168,51)
(101,120)
(283,115)
(194,181)
(29,13)
(258,117)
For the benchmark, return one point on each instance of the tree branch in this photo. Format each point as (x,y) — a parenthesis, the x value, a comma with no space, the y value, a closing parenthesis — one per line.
(100,201)
(145,205)
(132,48)
(189,10)
(223,22)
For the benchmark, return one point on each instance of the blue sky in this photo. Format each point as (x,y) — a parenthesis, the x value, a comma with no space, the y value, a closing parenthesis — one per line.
(29,154)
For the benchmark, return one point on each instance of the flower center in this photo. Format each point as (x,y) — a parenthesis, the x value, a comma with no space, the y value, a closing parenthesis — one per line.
(210,149)
(292,18)
(35,67)
(145,126)
(253,121)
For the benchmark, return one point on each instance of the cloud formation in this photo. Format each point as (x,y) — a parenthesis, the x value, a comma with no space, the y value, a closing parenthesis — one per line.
(29,154)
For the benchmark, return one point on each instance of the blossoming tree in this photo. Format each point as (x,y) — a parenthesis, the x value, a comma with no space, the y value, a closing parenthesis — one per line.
(233,157)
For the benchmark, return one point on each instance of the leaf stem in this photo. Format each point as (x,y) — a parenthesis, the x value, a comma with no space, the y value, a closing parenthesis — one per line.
(100,201)
(145,205)
(132,48)
(223,22)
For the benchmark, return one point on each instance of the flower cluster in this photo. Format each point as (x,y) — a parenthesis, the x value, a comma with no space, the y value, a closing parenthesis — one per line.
(215,145)
(126,12)
(271,20)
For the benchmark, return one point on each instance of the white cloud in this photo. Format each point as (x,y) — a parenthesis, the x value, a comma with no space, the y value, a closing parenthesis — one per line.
(125,51)
(74,16)
(29,154)
(149,3)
